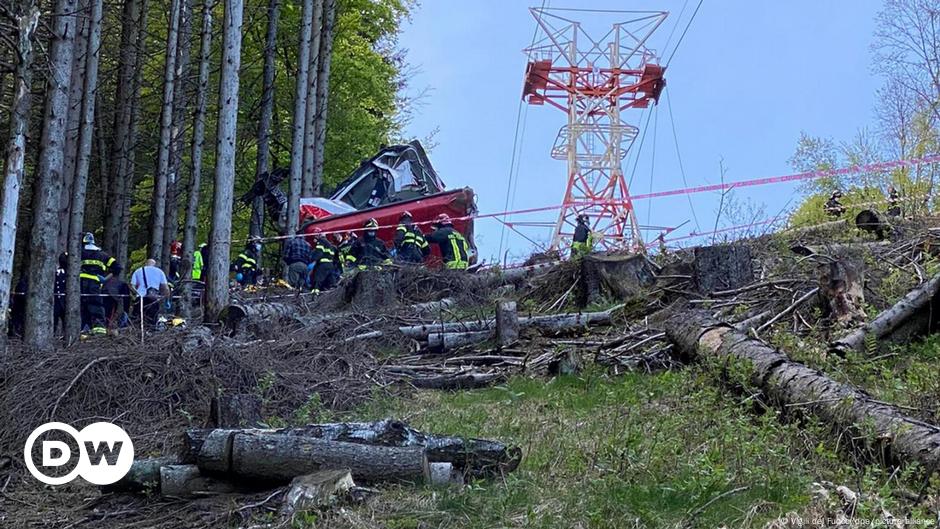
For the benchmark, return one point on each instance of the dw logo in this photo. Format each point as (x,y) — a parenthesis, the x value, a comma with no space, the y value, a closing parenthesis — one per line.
(105,453)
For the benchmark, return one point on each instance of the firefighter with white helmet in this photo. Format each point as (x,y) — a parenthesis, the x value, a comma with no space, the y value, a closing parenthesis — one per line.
(369,251)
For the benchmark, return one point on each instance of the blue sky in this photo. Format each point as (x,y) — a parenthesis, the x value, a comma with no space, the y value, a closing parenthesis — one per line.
(746,80)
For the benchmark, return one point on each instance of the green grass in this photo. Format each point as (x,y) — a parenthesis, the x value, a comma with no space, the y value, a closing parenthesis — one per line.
(635,451)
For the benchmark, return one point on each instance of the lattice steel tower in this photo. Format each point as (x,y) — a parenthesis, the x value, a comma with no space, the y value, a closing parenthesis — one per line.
(593,82)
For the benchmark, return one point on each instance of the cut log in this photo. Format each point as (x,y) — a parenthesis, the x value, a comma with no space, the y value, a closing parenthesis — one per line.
(143,475)
(445,341)
(318,490)
(549,322)
(421,332)
(914,314)
(566,322)
(445,474)
(616,277)
(238,315)
(794,387)
(235,411)
(842,291)
(185,481)
(475,456)
(507,323)
(457,382)
(274,457)
(722,267)
(433,307)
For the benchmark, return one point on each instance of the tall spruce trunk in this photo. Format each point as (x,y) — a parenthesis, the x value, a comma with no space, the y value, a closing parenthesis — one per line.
(82,165)
(158,202)
(44,232)
(130,170)
(221,239)
(121,137)
(195,173)
(323,92)
(177,136)
(76,93)
(310,120)
(15,154)
(300,109)
(263,163)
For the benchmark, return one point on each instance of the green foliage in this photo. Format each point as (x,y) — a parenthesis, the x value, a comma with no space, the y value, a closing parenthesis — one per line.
(638,451)
(363,107)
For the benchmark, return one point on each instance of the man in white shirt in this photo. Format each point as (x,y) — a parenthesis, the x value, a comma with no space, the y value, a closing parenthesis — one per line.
(151,285)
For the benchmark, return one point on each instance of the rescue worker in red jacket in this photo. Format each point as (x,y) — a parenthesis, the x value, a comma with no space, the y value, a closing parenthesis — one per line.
(455,251)
(410,244)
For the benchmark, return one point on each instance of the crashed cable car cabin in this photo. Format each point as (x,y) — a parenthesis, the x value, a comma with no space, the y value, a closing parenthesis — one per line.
(399,178)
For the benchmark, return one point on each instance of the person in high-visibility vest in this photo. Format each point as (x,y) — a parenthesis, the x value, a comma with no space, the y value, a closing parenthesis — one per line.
(583,242)
(455,251)
(97,266)
(245,265)
(325,263)
(370,251)
(410,244)
(200,258)
(345,245)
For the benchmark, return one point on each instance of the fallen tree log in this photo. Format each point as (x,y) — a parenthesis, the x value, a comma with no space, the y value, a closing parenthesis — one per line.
(143,475)
(795,387)
(475,456)
(433,307)
(457,382)
(274,457)
(185,481)
(908,316)
(237,315)
(452,340)
(552,322)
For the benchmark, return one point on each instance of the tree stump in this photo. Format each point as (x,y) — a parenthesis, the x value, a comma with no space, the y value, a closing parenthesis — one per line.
(870,222)
(372,288)
(722,267)
(235,411)
(842,292)
(507,323)
(614,277)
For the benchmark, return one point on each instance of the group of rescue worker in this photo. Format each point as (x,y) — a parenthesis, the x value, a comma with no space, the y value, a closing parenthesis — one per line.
(834,207)
(319,266)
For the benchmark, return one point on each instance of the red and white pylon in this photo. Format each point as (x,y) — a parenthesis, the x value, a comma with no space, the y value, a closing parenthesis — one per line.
(593,81)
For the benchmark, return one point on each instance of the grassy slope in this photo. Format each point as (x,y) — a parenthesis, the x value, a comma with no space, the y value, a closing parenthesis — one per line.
(634,451)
